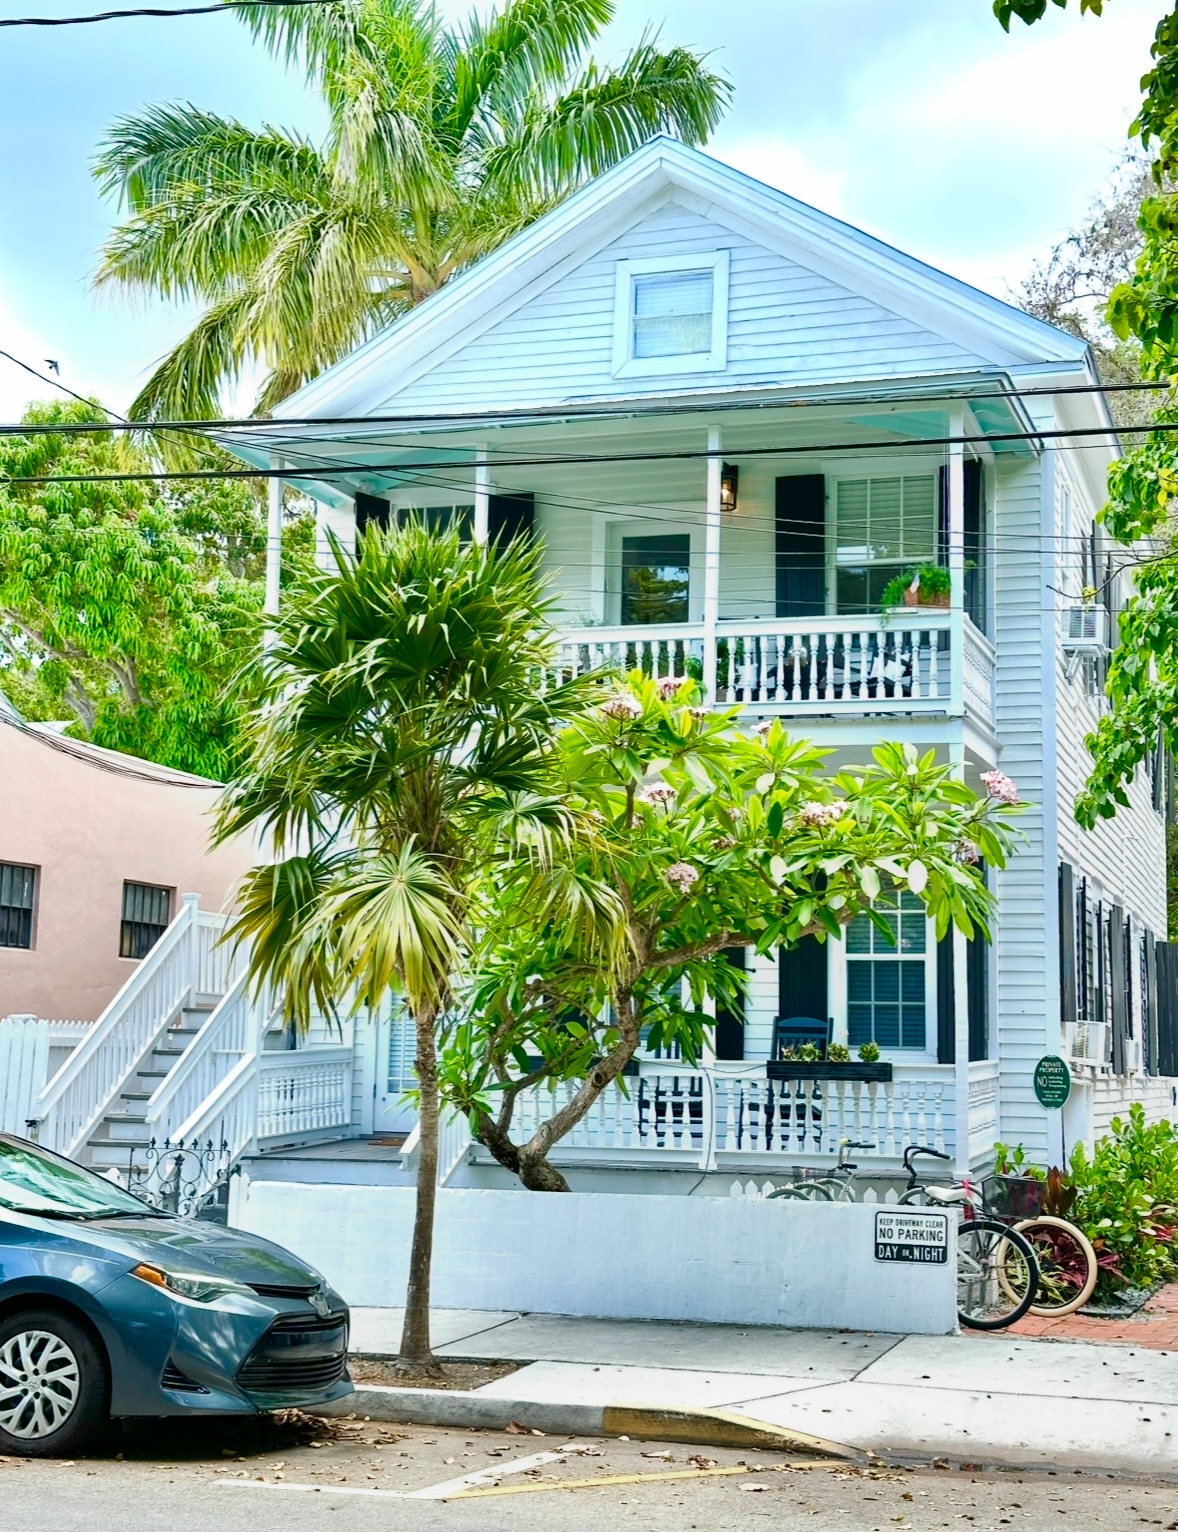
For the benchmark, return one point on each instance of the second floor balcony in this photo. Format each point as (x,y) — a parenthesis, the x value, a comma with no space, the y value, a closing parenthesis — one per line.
(911,662)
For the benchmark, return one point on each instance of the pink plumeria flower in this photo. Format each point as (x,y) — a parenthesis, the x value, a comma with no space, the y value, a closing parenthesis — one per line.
(683,876)
(1000,787)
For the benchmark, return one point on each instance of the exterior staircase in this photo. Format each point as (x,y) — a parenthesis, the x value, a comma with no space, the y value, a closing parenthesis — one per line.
(173,1083)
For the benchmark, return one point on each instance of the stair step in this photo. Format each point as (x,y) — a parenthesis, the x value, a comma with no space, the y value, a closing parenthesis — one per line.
(127,1133)
(136,1095)
(125,1116)
(151,1074)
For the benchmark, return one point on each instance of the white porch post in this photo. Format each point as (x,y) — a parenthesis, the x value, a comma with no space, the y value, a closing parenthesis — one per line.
(956,520)
(712,564)
(960,1018)
(482,497)
(273,541)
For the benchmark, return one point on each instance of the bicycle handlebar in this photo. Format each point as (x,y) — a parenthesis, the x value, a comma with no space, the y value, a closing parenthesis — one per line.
(914,1149)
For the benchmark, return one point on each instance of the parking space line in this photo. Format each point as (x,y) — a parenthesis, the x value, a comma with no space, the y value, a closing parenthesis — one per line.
(603,1481)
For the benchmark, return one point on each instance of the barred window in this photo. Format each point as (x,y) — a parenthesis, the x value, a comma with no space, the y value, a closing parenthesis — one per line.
(18,886)
(146,913)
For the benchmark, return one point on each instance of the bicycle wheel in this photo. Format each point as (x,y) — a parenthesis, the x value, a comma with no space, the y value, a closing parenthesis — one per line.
(996,1274)
(802,1191)
(1066,1261)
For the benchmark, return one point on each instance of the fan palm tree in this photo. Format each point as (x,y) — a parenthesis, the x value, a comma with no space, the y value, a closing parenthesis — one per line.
(443,142)
(399,746)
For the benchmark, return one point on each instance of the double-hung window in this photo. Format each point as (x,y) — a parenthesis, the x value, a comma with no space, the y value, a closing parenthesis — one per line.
(887,975)
(146,913)
(18,887)
(883,527)
(671,315)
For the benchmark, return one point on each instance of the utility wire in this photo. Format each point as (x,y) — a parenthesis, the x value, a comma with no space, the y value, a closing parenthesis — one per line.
(604,410)
(188,10)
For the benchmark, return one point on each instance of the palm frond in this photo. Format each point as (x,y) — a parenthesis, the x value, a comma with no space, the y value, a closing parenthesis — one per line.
(187,383)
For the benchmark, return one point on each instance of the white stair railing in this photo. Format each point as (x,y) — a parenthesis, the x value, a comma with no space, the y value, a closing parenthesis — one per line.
(87,1085)
(231,1033)
(454,1144)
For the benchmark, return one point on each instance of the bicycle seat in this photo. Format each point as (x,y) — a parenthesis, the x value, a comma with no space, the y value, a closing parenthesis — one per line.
(948,1196)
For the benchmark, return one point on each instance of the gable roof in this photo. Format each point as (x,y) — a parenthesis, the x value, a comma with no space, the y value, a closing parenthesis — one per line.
(502,282)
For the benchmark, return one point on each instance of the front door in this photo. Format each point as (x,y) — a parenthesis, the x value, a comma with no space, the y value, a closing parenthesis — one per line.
(394,1073)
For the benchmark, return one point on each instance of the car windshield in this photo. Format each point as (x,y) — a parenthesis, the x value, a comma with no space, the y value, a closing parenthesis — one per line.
(34,1181)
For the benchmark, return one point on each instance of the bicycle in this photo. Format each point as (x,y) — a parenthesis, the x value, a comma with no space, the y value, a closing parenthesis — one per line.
(997,1272)
(825,1185)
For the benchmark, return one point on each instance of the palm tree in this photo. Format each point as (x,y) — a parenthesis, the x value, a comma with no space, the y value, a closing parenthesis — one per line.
(443,142)
(399,745)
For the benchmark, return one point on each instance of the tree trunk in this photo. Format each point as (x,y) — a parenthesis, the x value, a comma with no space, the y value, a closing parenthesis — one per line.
(534,1171)
(415,1339)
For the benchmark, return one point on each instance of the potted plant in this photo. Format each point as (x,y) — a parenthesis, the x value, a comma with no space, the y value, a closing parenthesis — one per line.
(928,585)
(805,1062)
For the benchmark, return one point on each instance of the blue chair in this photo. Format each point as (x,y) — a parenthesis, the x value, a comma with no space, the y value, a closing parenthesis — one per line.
(793,1031)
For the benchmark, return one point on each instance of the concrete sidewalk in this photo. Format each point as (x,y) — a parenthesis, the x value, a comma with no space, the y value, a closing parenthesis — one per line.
(1009,1400)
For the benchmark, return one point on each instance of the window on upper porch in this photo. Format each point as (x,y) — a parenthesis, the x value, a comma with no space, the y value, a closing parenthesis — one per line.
(883,527)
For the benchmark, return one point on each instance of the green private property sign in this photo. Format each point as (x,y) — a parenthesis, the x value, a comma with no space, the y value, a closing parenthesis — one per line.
(1053,1081)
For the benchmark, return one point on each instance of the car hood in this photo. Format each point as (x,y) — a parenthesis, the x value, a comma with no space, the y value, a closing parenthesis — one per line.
(191,1245)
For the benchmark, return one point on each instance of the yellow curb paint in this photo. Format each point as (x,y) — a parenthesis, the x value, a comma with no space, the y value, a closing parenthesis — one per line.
(716,1428)
(602,1482)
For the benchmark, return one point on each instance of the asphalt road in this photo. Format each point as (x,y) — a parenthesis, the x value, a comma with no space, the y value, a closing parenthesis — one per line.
(217,1479)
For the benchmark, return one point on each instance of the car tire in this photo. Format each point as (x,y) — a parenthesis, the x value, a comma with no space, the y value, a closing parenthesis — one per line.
(54,1385)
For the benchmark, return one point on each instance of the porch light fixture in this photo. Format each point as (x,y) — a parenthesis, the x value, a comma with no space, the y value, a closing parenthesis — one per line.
(729,479)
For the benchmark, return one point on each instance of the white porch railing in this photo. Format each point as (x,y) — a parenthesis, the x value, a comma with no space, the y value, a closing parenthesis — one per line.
(983,1106)
(85,1088)
(454,1145)
(821,665)
(715,1118)
(303,1092)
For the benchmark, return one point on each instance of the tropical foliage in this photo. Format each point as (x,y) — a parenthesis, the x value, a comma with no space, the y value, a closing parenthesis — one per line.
(397,758)
(442,143)
(125,607)
(1127,1201)
(702,839)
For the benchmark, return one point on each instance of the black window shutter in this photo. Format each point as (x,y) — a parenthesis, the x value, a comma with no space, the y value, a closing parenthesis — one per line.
(946,1018)
(1116,979)
(977,985)
(371,509)
(1166,956)
(943,516)
(801,547)
(509,517)
(974,545)
(801,974)
(1149,1020)
(730,1018)
(1067,945)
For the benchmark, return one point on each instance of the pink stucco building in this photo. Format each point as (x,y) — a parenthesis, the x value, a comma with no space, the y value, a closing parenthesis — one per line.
(96,851)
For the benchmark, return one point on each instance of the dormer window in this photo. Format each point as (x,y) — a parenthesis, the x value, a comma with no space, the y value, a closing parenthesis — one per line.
(671,315)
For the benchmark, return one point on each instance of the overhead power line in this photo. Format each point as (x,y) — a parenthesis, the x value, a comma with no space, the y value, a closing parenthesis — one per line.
(601,410)
(188,10)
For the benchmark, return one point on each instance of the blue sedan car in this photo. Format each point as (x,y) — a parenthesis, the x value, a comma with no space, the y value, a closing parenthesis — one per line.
(110,1309)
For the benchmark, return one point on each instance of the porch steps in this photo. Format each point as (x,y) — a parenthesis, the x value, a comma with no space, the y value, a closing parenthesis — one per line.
(122,1138)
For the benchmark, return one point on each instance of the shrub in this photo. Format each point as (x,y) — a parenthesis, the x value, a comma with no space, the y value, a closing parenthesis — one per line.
(1127,1201)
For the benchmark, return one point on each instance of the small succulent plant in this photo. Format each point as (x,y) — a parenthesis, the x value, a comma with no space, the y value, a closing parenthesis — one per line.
(869,1053)
(838,1053)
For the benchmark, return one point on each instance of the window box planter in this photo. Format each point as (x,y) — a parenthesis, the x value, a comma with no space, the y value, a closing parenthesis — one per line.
(791,1069)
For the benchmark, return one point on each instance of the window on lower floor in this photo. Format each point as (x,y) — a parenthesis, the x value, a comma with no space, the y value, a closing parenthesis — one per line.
(887,975)
(146,913)
(18,887)
(656,579)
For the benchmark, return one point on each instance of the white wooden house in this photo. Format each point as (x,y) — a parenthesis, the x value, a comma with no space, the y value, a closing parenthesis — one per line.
(729,420)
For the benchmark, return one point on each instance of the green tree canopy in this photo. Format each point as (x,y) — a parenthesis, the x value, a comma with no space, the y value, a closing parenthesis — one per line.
(703,838)
(124,606)
(442,143)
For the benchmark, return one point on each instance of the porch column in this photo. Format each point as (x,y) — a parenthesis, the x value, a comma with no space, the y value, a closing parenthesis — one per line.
(956,529)
(273,540)
(712,563)
(482,497)
(960,1017)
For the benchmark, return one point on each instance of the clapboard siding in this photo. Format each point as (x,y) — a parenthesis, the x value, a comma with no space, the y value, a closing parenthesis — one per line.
(787,324)
(1027,1002)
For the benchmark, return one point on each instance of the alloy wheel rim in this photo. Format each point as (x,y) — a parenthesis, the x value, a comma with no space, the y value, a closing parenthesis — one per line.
(39,1383)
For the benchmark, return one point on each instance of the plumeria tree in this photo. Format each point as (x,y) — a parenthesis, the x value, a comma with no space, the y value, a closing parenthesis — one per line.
(699,838)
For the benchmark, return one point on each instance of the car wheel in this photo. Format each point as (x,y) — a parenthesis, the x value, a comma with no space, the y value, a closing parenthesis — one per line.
(54,1385)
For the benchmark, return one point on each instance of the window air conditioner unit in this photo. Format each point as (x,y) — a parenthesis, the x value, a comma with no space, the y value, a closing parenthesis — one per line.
(1085,629)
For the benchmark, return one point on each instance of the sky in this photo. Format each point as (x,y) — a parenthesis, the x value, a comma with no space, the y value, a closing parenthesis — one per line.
(917,120)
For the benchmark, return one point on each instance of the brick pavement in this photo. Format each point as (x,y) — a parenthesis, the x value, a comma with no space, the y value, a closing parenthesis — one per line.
(1155,1328)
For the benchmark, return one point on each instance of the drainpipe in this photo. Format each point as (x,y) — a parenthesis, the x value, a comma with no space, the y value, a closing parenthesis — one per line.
(273,543)
(482,497)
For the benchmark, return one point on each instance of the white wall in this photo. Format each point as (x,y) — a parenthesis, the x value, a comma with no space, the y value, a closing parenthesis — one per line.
(725,1260)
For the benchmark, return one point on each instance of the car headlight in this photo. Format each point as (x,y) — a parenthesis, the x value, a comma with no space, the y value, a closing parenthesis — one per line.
(190,1284)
